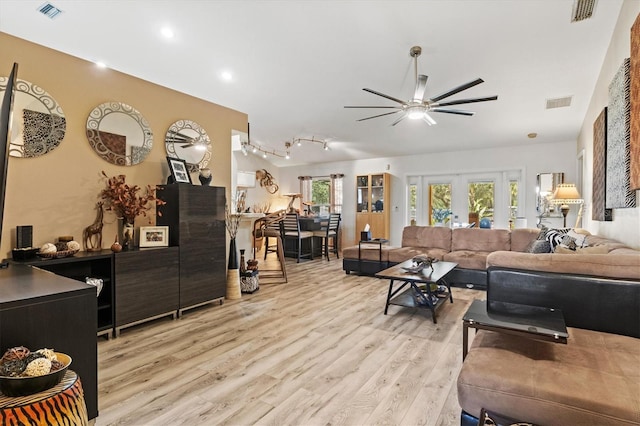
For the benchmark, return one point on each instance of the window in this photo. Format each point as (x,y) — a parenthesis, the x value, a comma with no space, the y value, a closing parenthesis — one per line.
(322,195)
(481,200)
(320,190)
(513,200)
(439,202)
(413,206)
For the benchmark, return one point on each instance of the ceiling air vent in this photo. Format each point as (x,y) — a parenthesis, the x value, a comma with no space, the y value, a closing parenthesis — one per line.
(559,102)
(49,10)
(582,9)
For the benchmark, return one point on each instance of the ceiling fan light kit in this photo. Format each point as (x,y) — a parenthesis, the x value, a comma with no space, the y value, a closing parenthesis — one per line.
(419,107)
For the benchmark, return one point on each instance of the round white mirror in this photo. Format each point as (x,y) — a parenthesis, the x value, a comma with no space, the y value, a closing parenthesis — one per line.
(119,134)
(38,124)
(188,141)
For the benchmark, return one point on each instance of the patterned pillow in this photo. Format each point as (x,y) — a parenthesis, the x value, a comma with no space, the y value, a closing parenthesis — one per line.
(557,237)
(538,246)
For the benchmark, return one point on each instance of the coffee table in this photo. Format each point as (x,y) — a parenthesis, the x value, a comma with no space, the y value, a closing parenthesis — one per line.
(414,296)
(533,322)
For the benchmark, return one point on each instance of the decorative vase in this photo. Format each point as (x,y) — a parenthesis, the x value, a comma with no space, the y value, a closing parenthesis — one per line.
(116,247)
(126,234)
(233,275)
(205,177)
(243,265)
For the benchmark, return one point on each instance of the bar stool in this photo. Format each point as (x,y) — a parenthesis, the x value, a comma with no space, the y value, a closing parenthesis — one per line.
(330,232)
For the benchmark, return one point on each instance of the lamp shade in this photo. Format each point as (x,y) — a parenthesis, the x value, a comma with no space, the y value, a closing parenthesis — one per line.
(566,193)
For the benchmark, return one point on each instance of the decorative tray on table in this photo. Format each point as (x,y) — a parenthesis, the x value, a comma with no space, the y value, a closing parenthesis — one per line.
(57,254)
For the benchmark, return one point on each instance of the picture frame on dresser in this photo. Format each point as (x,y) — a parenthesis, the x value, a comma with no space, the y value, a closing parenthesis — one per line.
(154,236)
(179,170)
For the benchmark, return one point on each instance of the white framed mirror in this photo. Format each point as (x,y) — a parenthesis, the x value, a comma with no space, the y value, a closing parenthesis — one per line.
(38,124)
(188,141)
(119,134)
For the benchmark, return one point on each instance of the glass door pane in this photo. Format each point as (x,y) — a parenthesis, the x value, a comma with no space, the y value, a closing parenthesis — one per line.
(481,202)
(439,203)
(362,194)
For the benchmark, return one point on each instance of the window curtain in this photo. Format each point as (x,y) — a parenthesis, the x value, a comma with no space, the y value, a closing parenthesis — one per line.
(335,197)
(306,188)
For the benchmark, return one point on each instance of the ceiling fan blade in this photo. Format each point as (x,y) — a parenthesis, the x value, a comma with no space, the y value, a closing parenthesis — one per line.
(457,89)
(399,119)
(466,101)
(394,107)
(376,116)
(430,121)
(453,111)
(384,96)
(421,85)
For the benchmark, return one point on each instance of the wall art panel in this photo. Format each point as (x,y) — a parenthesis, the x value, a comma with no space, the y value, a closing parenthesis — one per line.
(618,189)
(635,104)
(598,209)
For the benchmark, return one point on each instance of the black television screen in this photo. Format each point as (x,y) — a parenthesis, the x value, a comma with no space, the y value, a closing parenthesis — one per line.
(5,135)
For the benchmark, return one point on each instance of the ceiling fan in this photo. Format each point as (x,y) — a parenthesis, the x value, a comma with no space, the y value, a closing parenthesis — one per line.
(418,107)
(187,142)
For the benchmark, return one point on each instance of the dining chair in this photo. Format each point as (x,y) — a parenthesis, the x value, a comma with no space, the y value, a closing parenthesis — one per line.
(269,227)
(330,232)
(290,230)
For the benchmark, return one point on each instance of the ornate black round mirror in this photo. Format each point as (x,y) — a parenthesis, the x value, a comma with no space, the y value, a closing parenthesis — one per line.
(38,124)
(188,141)
(119,134)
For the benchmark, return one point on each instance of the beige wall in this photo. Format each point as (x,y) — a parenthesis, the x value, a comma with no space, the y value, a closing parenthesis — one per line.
(57,192)
(625,226)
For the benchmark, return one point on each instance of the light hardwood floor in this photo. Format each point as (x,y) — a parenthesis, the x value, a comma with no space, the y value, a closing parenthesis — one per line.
(317,350)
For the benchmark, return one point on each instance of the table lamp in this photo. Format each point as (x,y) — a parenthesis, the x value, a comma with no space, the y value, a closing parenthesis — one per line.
(565,194)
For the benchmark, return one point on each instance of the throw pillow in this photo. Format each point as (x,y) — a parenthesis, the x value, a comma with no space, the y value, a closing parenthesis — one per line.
(538,246)
(603,249)
(580,239)
(556,236)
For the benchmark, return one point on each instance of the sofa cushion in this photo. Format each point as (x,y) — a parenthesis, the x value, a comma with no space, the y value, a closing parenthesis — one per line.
(427,236)
(405,253)
(468,259)
(475,239)
(593,379)
(521,237)
(603,249)
(369,252)
(597,265)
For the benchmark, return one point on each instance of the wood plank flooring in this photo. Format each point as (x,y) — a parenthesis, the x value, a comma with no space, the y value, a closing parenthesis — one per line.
(317,350)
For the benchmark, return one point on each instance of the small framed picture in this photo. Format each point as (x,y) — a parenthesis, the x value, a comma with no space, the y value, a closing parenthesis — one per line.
(179,170)
(154,236)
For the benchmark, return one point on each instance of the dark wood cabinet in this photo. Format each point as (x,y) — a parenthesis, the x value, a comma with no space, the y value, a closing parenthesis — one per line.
(80,266)
(195,216)
(39,309)
(146,285)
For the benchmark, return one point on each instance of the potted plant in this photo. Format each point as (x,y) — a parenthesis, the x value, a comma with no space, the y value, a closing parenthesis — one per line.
(127,204)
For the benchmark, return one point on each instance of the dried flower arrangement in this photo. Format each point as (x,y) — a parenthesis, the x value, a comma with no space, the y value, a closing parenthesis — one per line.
(232,221)
(124,200)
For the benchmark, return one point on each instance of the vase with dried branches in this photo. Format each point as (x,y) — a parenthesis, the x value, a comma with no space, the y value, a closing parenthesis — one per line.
(127,204)
(232,222)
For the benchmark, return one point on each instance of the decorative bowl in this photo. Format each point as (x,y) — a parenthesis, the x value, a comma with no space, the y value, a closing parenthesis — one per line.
(58,254)
(21,386)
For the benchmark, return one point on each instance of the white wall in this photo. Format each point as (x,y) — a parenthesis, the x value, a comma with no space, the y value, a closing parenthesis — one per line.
(259,195)
(532,158)
(625,226)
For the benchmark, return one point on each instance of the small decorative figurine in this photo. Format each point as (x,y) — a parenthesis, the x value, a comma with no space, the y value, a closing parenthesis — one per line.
(205,177)
(92,235)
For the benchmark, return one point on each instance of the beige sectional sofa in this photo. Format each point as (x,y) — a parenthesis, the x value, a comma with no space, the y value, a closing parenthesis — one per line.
(475,249)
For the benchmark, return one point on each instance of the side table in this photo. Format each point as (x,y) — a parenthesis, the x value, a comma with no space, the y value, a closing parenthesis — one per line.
(533,322)
(376,241)
(63,402)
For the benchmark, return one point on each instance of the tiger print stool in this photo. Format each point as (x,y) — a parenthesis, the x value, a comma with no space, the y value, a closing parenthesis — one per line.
(63,404)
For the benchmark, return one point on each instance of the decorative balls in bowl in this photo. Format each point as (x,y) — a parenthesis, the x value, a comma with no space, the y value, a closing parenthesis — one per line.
(23,372)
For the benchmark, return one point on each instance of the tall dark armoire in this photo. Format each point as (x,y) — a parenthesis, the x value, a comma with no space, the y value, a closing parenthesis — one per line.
(195,216)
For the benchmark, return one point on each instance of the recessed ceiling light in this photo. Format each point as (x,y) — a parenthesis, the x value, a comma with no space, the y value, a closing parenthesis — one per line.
(226,76)
(101,64)
(532,135)
(167,32)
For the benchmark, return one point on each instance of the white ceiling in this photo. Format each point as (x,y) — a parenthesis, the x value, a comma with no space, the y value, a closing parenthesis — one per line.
(296,63)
